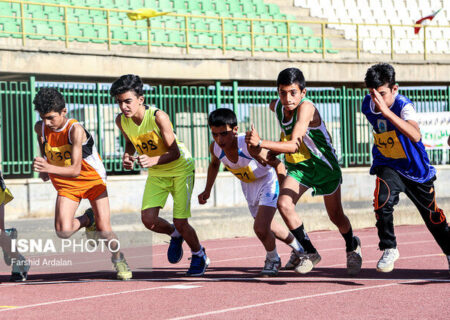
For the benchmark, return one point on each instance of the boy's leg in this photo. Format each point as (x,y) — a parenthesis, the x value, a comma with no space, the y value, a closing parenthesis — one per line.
(151,220)
(388,187)
(102,213)
(65,223)
(424,197)
(333,204)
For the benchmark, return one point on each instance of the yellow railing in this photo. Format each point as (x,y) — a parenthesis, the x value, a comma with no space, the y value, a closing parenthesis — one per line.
(286,39)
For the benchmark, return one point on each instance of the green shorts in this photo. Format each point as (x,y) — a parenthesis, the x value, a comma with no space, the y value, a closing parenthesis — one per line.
(157,190)
(321,179)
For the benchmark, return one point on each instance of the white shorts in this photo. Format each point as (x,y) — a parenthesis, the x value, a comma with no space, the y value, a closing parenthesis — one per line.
(262,192)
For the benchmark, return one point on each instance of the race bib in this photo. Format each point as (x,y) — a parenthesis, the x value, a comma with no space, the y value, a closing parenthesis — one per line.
(59,156)
(301,155)
(244,174)
(389,145)
(150,144)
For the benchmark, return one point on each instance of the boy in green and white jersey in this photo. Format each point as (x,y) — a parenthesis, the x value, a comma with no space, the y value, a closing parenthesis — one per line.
(311,162)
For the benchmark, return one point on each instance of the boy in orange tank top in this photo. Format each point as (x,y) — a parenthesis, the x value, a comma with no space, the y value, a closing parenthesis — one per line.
(73,165)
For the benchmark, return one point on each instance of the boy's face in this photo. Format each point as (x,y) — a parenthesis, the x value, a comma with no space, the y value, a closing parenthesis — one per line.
(129,103)
(291,95)
(54,120)
(386,93)
(224,135)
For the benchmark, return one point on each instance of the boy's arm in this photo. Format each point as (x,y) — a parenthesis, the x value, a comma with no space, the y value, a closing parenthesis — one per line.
(266,157)
(173,153)
(448,141)
(409,128)
(127,158)
(213,170)
(77,136)
(38,129)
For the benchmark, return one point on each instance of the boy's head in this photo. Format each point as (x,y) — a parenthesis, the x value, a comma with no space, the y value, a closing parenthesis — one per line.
(223,125)
(51,106)
(291,87)
(128,91)
(381,77)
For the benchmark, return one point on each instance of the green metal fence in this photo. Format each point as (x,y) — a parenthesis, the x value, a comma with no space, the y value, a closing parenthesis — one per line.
(188,108)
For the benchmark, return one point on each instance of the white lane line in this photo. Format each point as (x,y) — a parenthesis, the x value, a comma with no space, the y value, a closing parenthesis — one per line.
(181,286)
(257,305)
(82,298)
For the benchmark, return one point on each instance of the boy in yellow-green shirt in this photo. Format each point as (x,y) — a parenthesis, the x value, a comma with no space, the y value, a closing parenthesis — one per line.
(148,131)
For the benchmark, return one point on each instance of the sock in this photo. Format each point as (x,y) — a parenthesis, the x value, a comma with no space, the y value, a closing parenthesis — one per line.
(303,238)
(350,241)
(296,246)
(175,234)
(272,255)
(199,253)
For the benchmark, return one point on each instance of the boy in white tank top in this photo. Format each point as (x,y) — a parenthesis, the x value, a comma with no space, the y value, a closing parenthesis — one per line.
(259,183)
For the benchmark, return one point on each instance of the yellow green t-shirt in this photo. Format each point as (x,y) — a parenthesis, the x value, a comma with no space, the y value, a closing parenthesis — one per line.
(147,139)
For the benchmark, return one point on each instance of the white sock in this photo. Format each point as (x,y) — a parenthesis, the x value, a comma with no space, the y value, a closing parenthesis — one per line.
(199,253)
(296,246)
(272,255)
(175,234)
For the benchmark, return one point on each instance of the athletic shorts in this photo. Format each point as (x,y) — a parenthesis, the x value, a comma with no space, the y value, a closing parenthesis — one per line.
(157,190)
(322,180)
(262,192)
(89,191)
(5,196)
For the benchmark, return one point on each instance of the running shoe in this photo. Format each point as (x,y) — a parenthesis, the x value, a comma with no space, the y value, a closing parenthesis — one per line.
(293,261)
(386,262)
(198,265)
(307,262)
(20,268)
(354,259)
(271,268)
(122,268)
(175,251)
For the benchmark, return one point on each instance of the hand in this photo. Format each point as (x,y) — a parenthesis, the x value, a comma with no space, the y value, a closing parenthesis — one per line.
(252,137)
(44,176)
(128,161)
(378,100)
(146,161)
(203,197)
(40,164)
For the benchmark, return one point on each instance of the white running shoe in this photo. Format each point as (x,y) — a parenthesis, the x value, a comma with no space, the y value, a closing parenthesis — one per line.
(354,259)
(307,262)
(386,262)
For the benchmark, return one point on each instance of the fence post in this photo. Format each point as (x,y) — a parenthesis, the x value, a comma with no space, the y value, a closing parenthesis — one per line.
(99,127)
(235,98)
(218,95)
(36,151)
(344,127)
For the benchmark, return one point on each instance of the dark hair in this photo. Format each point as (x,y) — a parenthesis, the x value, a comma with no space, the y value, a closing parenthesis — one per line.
(380,74)
(290,76)
(49,100)
(127,82)
(222,117)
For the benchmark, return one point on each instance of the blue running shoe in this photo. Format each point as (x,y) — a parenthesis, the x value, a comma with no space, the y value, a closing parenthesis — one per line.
(175,251)
(198,265)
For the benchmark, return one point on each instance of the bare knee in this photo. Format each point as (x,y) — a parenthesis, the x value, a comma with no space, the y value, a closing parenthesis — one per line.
(63,233)
(149,220)
(285,206)
(181,225)
(261,231)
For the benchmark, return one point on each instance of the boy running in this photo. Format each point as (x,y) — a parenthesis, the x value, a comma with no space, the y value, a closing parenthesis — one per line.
(311,163)
(20,265)
(259,183)
(148,131)
(400,163)
(73,165)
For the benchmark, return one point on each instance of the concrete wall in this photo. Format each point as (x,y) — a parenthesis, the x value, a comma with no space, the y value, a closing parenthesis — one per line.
(34,198)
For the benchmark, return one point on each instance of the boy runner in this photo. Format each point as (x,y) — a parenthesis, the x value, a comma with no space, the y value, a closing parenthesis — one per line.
(73,165)
(148,131)
(400,163)
(20,266)
(259,183)
(311,162)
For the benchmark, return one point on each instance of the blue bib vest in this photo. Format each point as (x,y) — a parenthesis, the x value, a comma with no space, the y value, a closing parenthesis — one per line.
(392,148)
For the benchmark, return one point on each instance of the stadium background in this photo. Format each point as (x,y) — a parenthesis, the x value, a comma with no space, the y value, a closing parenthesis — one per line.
(203,55)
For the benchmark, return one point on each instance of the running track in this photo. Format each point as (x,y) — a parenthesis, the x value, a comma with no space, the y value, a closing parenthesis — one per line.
(418,288)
